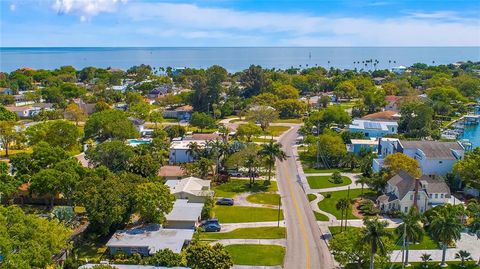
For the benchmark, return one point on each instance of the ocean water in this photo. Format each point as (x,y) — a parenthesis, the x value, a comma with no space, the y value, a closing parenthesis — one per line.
(233,59)
(472,133)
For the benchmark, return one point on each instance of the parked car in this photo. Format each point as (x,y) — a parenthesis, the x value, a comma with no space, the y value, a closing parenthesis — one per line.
(210,225)
(225,201)
(235,173)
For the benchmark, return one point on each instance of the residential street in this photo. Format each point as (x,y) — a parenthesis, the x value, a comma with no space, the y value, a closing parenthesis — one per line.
(305,246)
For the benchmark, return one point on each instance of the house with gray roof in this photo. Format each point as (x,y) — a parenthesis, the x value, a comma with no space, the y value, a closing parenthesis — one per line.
(400,192)
(195,190)
(184,215)
(147,240)
(434,157)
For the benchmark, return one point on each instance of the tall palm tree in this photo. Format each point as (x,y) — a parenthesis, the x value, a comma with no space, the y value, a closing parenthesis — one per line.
(194,150)
(342,205)
(445,227)
(411,229)
(464,256)
(363,180)
(374,234)
(272,151)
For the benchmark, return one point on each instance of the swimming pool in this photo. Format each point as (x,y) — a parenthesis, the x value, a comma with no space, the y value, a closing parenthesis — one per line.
(136,142)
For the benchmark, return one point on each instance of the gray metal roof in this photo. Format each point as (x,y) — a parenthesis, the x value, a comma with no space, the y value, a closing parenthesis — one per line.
(434,149)
(185,211)
(153,237)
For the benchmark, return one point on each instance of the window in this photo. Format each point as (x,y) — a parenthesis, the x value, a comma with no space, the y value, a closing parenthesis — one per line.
(436,195)
(430,195)
(440,161)
(411,197)
(418,197)
(406,209)
(441,195)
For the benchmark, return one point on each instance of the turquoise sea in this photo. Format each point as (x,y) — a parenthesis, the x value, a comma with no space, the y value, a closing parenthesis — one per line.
(233,59)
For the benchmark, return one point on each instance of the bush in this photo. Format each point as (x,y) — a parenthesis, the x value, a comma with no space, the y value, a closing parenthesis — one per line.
(337,178)
(207,208)
(165,257)
(367,207)
(328,195)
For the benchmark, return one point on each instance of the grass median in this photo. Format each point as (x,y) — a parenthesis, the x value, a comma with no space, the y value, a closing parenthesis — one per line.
(328,204)
(323,182)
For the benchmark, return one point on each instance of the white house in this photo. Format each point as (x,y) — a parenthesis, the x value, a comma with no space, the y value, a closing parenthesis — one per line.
(434,157)
(400,192)
(195,190)
(373,128)
(180,147)
(399,70)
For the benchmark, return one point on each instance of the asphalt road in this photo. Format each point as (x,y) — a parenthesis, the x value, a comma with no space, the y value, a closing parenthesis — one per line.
(305,246)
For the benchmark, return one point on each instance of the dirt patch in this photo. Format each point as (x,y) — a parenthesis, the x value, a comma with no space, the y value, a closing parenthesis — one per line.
(355,210)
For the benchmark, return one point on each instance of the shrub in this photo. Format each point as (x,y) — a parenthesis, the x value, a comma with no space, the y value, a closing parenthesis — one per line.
(367,207)
(207,208)
(165,257)
(337,178)
(328,195)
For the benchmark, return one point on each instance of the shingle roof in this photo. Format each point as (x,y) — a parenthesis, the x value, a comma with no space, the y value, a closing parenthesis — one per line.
(171,171)
(434,149)
(435,185)
(383,115)
(404,183)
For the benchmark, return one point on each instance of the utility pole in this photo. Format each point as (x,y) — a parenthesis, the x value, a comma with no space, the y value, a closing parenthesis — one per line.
(404,244)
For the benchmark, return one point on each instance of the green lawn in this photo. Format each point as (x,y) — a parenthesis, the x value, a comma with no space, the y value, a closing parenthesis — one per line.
(431,265)
(311,197)
(328,204)
(262,140)
(233,214)
(308,164)
(426,243)
(265,255)
(276,130)
(264,198)
(320,216)
(322,182)
(292,120)
(248,233)
(90,251)
(236,186)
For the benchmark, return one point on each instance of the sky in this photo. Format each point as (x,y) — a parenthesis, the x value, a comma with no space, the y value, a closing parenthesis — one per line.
(229,23)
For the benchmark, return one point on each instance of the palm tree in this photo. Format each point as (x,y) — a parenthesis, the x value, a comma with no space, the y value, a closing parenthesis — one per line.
(411,229)
(374,234)
(194,150)
(342,205)
(464,256)
(425,258)
(445,227)
(363,180)
(271,152)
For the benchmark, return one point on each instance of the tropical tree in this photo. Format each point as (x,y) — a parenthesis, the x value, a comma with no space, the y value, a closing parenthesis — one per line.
(248,131)
(411,230)
(74,113)
(374,234)
(464,256)
(272,151)
(7,134)
(342,205)
(156,117)
(445,227)
(204,256)
(263,115)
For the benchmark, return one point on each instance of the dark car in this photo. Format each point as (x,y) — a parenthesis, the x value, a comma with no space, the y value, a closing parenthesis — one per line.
(210,225)
(225,201)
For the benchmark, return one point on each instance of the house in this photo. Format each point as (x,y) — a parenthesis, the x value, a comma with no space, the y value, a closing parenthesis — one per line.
(372,128)
(159,91)
(195,190)
(393,103)
(387,115)
(434,157)
(139,125)
(24,111)
(400,192)
(357,145)
(180,147)
(147,240)
(180,113)
(399,70)
(6,91)
(378,80)
(171,172)
(184,215)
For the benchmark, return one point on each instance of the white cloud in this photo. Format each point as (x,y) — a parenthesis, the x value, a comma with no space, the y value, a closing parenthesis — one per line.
(413,29)
(86,8)
(13,7)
